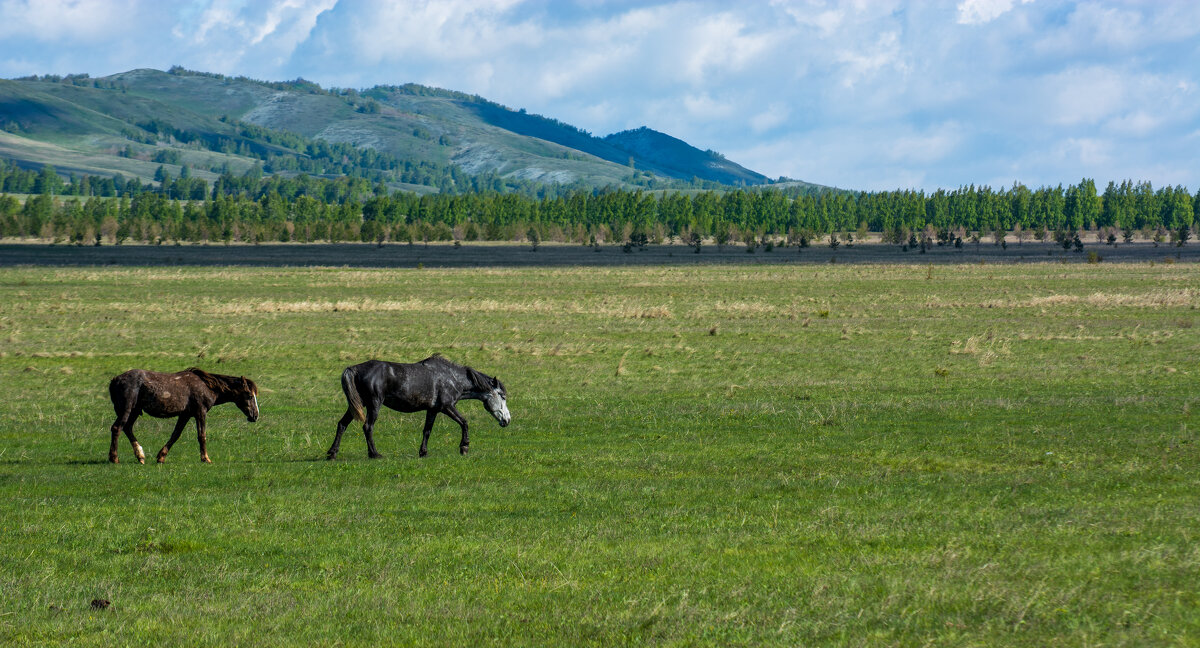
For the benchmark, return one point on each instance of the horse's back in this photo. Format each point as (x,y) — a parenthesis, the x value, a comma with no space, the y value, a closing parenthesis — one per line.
(138,377)
(388,371)
(406,387)
(156,393)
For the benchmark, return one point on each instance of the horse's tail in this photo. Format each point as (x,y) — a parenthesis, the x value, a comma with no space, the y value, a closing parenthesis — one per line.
(352,396)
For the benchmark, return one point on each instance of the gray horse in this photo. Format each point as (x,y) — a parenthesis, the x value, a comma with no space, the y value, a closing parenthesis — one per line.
(432,385)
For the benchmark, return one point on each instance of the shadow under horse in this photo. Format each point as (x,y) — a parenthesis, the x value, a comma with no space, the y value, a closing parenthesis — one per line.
(188,394)
(433,385)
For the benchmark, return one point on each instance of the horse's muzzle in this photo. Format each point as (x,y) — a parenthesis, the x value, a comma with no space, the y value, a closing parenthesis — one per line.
(252,419)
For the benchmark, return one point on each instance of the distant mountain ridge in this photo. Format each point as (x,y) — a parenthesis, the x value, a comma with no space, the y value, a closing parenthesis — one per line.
(682,159)
(410,136)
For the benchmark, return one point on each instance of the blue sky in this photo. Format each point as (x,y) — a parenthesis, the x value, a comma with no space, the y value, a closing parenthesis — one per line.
(865,94)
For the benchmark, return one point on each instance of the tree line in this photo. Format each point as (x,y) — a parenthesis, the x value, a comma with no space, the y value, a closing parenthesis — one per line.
(254,208)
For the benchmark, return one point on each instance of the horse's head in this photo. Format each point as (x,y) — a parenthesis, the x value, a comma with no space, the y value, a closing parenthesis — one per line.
(247,398)
(496,402)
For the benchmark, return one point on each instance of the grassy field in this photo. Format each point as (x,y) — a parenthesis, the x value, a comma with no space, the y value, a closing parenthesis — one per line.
(705,455)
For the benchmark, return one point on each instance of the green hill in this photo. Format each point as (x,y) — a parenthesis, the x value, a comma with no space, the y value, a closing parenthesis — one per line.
(410,137)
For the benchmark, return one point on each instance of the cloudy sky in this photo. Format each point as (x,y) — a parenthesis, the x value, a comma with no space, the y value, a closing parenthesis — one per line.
(865,94)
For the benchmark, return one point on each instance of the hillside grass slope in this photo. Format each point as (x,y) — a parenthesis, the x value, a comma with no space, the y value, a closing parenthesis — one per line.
(197,119)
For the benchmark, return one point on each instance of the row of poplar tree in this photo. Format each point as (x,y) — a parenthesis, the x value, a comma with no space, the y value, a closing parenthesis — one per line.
(308,209)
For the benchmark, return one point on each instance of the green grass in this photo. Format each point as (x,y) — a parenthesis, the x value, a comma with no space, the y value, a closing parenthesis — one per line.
(711,455)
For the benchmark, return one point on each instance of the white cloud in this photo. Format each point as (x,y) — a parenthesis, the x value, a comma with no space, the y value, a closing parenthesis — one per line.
(447,30)
(1089,151)
(1084,96)
(1096,28)
(928,147)
(859,64)
(703,106)
(856,93)
(720,44)
(1138,123)
(978,12)
(50,20)
(773,117)
(232,29)
(817,14)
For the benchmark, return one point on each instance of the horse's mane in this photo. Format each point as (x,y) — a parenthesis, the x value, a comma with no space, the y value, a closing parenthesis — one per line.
(220,383)
(479,379)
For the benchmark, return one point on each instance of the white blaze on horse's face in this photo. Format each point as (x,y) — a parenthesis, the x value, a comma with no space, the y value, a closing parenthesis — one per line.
(250,407)
(497,406)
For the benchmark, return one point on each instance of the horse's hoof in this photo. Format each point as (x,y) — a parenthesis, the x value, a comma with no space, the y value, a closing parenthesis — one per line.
(113,459)
(463,449)
(375,455)
(141,455)
(205,459)
(330,456)
(422,454)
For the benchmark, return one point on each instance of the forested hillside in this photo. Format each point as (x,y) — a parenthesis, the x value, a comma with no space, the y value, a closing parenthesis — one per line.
(652,147)
(408,137)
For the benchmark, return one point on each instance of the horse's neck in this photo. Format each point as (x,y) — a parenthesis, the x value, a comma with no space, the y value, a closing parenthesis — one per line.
(469,391)
(221,394)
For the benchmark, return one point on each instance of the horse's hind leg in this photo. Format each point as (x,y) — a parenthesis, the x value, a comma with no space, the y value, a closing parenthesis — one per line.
(116,434)
(341,429)
(137,447)
(124,422)
(369,429)
(179,425)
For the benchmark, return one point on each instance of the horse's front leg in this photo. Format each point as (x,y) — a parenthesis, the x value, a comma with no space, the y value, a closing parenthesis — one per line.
(465,443)
(201,426)
(179,425)
(429,416)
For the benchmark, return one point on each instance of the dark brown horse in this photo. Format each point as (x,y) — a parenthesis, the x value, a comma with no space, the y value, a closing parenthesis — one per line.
(188,394)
